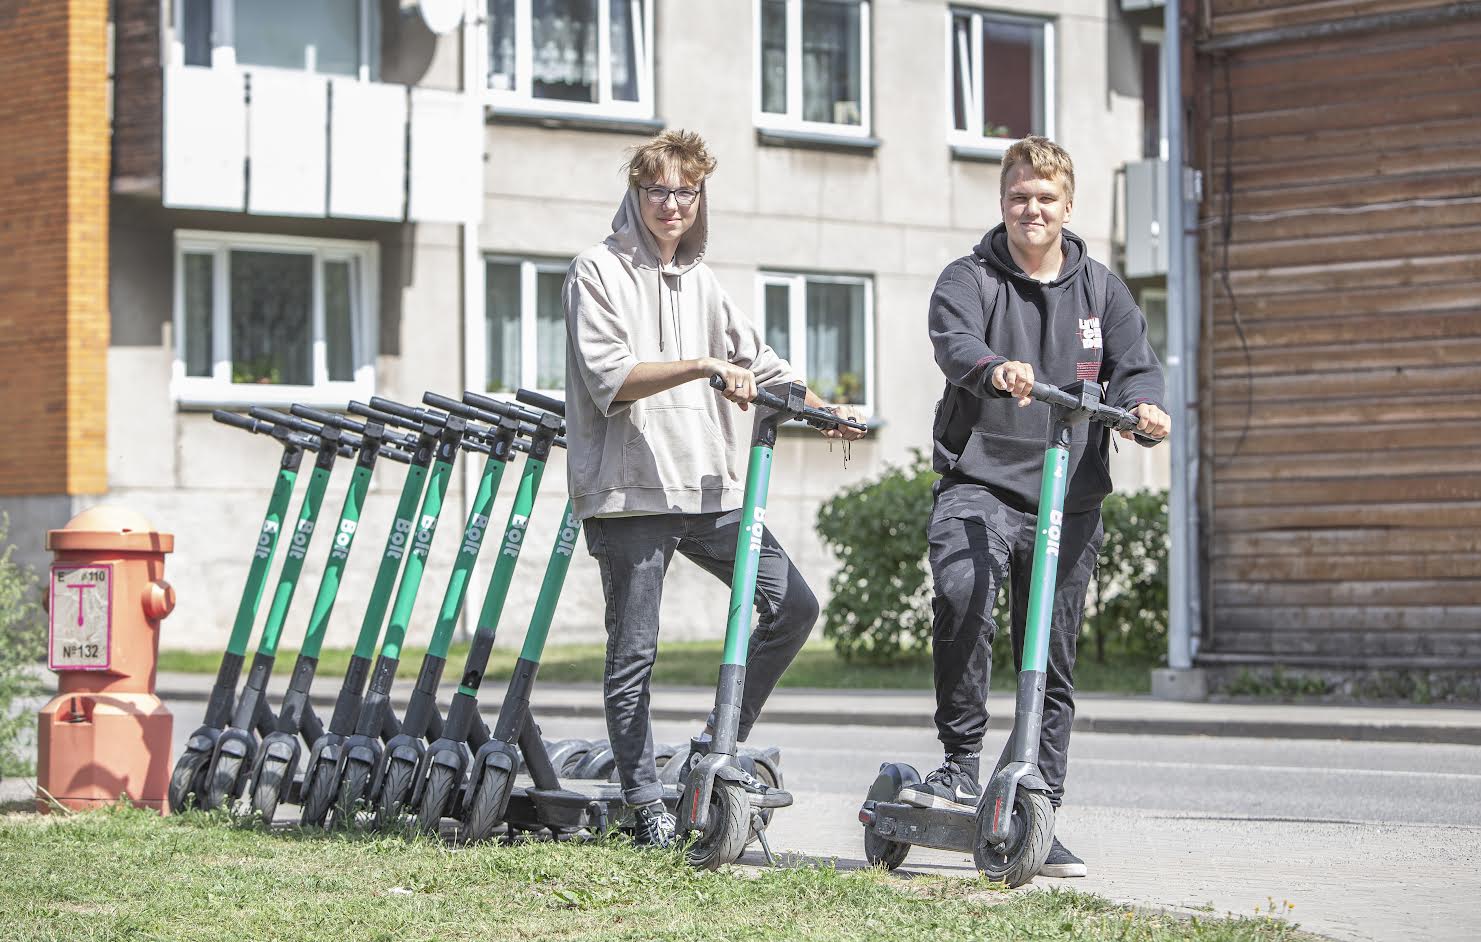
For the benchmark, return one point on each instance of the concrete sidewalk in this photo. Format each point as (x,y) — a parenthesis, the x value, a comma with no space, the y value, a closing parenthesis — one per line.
(1100,713)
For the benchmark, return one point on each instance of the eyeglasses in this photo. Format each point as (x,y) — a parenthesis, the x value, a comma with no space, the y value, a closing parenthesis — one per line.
(658,195)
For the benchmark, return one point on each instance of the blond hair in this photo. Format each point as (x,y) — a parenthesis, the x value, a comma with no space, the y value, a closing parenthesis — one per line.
(1048,159)
(682,153)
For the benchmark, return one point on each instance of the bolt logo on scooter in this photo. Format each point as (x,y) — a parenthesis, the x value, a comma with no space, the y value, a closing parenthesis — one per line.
(1010,834)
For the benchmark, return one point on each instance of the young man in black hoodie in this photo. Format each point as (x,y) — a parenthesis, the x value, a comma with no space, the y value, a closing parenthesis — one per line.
(1028,303)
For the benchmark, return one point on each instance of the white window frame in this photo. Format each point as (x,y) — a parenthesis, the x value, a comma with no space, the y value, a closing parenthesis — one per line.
(529,350)
(218,388)
(796,284)
(223,45)
(793,120)
(521,98)
(971,138)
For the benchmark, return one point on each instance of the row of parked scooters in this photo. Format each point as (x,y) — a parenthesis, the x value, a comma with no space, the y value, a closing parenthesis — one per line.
(370,767)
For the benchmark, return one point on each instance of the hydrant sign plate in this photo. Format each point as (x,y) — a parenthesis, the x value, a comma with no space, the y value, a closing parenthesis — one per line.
(81,617)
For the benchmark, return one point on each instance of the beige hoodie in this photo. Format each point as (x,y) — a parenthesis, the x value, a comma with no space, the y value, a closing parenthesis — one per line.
(678,451)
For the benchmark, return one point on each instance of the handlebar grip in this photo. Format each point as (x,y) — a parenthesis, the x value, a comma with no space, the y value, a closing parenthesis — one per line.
(326,418)
(396,455)
(281,418)
(392,407)
(236,420)
(541,401)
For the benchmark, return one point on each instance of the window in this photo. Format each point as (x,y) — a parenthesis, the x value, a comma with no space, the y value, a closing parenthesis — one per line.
(824,326)
(572,56)
(266,319)
(1002,79)
(812,65)
(1151,62)
(1154,305)
(524,325)
(327,37)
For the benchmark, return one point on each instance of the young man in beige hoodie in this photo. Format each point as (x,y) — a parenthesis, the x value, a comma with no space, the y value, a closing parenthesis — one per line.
(655,458)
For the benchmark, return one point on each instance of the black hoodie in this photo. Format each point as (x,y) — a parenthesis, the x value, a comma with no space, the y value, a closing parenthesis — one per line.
(984,311)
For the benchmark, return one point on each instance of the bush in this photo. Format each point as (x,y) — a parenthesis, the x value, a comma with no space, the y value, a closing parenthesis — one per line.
(880,609)
(22,649)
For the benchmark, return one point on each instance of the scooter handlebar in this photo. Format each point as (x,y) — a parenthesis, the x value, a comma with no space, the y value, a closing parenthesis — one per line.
(389,436)
(499,407)
(237,420)
(819,418)
(1110,416)
(349,442)
(484,415)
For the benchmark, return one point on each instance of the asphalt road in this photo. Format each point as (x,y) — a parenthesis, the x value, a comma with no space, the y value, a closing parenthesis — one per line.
(1366,840)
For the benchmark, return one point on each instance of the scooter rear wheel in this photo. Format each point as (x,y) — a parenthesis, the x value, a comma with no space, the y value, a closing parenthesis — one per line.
(223,785)
(883,852)
(436,798)
(319,794)
(353,786)
(486,808)
(724,837)
(267,790)
(395,792)
(1030,834)
(188,780)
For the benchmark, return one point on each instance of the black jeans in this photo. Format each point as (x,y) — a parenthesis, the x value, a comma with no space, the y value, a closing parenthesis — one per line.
(633,554)
(976,544)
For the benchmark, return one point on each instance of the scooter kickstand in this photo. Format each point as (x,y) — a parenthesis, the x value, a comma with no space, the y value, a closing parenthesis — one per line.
(758,823)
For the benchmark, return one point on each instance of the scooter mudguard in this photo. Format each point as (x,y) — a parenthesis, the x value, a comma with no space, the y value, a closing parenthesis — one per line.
(995,812)
(494,754)
(892,779)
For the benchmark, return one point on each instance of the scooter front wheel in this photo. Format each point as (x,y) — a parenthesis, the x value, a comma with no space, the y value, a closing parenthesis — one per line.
(188,780)
(486,808)
(267,791)
(725,834)
(353,788)
(1030,833)
(436,798)
(223,782)
(320,788)
(395,791)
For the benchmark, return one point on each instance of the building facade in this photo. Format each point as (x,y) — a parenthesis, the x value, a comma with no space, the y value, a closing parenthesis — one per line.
(329,203)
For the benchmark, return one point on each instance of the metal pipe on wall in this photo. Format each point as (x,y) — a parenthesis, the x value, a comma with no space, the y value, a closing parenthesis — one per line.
(1183,595)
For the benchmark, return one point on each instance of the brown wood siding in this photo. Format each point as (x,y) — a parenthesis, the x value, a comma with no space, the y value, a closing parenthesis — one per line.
(1343,412)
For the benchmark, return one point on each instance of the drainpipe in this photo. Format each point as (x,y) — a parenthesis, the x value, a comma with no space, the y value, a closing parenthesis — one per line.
(1180,681)
(474,45)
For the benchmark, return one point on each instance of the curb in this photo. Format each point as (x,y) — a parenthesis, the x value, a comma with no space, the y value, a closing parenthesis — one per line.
(1427,733)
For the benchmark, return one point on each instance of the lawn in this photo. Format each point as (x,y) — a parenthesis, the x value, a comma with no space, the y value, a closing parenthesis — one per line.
(123,875)
(695,663)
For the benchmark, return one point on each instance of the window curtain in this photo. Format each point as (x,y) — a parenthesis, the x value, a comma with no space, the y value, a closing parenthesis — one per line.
(550,331)
(835,341)
(565,49)
(501,335)
(830,62)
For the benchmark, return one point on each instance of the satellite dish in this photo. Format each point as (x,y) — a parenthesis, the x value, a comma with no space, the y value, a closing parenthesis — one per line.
(441,16)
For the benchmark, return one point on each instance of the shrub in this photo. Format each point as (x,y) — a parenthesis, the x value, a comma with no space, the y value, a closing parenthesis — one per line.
(880,605)
(22,649)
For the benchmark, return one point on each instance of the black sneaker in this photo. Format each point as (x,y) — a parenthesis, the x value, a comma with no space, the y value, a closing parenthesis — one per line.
(948,787)
(1062,863)
(762,794)
(654,826)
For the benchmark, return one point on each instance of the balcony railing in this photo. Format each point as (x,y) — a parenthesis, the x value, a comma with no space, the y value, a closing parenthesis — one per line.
(293,144)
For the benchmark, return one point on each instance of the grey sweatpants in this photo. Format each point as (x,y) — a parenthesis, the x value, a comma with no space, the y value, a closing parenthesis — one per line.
(977,543)
(633,554)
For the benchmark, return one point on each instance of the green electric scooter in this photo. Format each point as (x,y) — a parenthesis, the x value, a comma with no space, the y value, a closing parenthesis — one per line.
(188,781)
(1010,834)
(236,747)
(272,774)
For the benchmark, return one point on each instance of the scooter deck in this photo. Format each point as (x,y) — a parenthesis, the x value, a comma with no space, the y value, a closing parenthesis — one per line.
(578,803)
(941,828)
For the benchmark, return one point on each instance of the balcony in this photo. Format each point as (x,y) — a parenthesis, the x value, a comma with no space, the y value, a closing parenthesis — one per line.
(293,144)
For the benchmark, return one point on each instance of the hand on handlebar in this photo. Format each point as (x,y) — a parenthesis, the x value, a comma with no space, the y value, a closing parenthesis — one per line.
(740,383)
(1016,379)
(1154,422)
(848,414)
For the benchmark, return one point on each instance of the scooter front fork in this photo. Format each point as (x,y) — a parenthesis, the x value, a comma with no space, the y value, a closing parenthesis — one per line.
(1020,768)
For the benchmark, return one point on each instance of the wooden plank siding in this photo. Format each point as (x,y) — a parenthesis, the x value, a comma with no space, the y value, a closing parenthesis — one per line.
(1342,333)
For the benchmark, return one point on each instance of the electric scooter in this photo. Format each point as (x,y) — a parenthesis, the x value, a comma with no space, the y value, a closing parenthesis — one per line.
(187,781)
(272,774)
(1010,834)
(714,806)
(236,746)
(443,768)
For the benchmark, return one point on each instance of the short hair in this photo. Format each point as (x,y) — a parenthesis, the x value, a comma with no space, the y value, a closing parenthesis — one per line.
(681,152)
(1048,159)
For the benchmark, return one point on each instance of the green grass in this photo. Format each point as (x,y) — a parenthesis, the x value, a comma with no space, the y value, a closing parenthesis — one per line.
(696,663)
(122,874)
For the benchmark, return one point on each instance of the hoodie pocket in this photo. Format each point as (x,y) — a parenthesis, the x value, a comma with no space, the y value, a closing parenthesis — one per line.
(675,447)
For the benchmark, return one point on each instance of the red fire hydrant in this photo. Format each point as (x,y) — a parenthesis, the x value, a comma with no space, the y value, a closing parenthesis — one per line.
(105,735)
